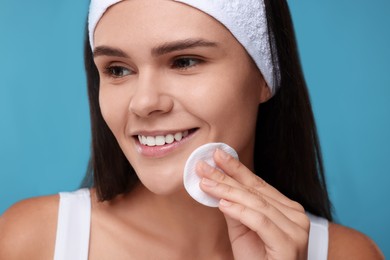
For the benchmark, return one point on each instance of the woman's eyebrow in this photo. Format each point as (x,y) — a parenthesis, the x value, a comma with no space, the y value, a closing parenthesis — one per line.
(156,51)
(109,51)
(181,45)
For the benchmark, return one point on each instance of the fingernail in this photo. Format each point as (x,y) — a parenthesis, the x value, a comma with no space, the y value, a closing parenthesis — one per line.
(222,154)
(225,203)
(205,167)
(209,182)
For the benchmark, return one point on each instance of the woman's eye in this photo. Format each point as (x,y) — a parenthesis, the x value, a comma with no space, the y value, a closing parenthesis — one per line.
(184,63)
(117,71)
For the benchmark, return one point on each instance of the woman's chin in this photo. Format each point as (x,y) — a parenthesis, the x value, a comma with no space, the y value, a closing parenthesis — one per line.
(163,184)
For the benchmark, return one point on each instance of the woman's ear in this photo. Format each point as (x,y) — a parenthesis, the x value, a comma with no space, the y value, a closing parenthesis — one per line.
(265,92)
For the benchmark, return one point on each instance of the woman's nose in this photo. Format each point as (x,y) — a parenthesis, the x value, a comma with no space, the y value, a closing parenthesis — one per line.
(149,97)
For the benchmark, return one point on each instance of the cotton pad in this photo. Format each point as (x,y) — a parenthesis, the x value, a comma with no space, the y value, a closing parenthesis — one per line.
(191,179)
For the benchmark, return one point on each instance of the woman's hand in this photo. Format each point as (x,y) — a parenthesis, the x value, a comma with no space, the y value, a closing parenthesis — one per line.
(262,222)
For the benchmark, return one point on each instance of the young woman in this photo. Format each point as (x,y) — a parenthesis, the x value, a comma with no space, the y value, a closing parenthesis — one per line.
(165,77)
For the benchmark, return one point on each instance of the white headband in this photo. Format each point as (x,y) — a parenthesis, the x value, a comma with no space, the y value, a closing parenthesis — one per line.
(245,19)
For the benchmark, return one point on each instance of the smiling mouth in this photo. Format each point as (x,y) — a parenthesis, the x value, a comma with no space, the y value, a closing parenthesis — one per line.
(161,140)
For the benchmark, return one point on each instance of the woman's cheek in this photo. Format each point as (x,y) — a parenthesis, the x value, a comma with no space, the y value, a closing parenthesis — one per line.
(113,108)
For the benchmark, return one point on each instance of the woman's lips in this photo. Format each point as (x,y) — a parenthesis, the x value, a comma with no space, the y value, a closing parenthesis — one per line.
(161,145)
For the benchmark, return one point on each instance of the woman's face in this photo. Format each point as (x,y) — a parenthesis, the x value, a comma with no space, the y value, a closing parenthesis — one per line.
(171,79)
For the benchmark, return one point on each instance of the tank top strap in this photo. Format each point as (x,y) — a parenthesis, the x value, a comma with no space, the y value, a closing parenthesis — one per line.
(318,238)
(73,227)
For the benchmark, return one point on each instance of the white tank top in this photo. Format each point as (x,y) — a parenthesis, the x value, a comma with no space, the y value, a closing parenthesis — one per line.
(74,221)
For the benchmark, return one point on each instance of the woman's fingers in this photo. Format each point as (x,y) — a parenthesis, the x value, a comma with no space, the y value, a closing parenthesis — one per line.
(239,172)
(288,219)
(204,170)
(243,179)
(250,214)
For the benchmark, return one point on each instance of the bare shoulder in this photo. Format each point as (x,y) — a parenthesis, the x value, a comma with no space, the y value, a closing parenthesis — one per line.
(28,229)
(347,243)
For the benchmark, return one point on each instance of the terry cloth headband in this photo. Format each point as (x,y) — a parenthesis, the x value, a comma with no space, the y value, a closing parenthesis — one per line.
(245,19)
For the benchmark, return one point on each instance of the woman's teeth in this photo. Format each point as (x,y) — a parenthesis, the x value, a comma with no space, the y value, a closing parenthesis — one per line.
(161,139)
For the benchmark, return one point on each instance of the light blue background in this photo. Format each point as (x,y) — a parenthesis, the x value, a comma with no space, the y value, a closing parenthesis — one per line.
(344,47)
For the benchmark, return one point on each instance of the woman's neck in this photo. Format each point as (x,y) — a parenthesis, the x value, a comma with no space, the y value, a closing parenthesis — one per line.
(176,219)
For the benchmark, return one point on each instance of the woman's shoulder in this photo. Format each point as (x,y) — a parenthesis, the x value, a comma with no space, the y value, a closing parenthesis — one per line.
(347,243)
(28,229)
